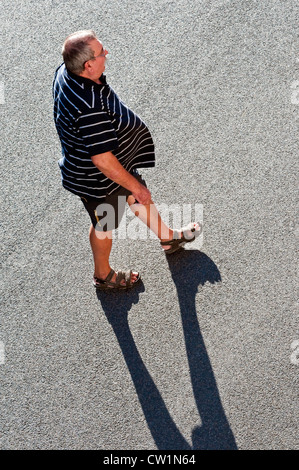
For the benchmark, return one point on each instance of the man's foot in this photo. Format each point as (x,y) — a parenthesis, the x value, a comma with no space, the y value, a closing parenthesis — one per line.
(181,237)
(116,280)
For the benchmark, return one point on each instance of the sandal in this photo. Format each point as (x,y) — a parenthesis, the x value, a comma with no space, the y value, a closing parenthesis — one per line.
(176,243)
(107,284)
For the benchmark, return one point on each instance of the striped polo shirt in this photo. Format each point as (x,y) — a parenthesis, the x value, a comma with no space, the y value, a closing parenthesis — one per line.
(91,119)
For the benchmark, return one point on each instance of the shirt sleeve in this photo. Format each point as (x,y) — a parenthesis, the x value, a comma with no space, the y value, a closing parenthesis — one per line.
(97,132)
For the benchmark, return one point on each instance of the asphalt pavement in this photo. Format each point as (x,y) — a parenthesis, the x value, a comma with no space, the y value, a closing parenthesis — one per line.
(204,353)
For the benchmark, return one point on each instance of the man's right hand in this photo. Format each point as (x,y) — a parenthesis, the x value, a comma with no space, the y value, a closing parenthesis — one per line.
(142,195)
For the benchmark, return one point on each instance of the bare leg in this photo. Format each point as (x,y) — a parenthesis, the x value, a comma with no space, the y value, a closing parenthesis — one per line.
(150,216)
(101,248)
(101,244)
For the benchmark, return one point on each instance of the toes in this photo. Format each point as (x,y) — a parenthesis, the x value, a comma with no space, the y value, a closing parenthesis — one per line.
(192,230)
(134,276)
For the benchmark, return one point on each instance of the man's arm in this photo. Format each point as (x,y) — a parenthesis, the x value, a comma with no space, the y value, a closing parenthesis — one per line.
(109,165)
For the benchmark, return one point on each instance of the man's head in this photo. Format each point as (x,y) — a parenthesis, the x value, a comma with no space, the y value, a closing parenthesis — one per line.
(84,54)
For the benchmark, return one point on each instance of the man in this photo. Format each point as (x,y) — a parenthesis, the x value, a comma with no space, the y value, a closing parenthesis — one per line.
(103,143)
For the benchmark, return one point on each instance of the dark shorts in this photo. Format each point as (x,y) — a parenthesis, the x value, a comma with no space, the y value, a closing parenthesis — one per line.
(107,214)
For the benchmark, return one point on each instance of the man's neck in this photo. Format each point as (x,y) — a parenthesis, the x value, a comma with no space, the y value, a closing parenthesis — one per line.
(96,80)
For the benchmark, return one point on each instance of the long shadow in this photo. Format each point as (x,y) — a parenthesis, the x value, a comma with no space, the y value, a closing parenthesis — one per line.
(189,269)
(116,306)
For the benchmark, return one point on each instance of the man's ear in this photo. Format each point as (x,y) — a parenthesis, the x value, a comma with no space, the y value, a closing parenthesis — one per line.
(87,65)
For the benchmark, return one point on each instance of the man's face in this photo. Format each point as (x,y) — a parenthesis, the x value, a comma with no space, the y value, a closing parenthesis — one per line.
(98,64)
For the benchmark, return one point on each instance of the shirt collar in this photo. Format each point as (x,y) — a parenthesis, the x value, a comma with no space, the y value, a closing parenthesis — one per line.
(86,81)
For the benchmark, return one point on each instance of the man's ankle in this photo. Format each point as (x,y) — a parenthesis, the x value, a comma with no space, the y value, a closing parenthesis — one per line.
(102,274)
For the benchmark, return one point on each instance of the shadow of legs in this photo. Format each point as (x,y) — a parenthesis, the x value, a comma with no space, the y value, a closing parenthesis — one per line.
(116,306)
(190,269)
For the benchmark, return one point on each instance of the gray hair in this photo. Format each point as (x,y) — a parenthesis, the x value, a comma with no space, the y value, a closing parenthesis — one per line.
(76,50)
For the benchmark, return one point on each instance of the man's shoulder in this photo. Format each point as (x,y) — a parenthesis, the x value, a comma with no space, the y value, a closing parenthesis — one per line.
(73,89)
(68,80)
